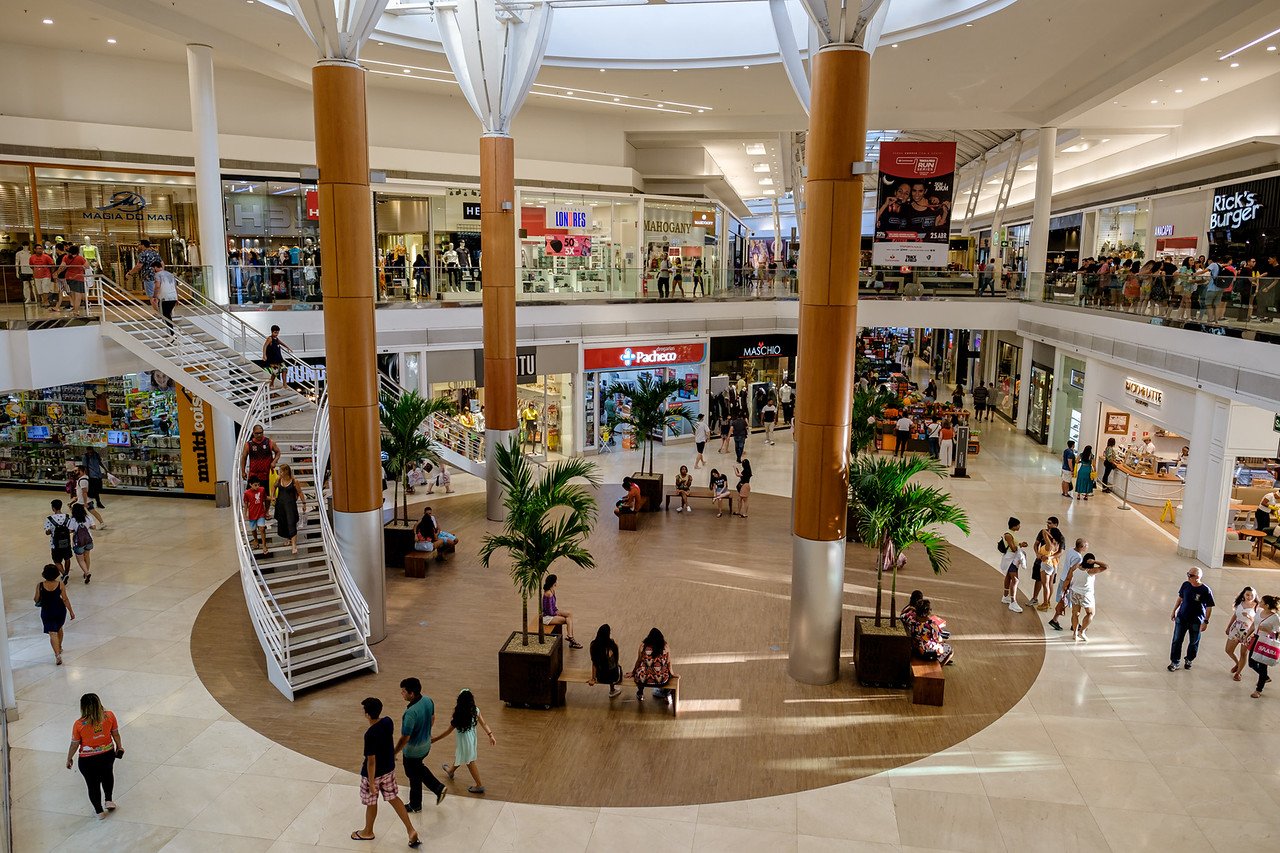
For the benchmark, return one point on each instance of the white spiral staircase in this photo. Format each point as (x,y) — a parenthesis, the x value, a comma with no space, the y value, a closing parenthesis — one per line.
(310,618)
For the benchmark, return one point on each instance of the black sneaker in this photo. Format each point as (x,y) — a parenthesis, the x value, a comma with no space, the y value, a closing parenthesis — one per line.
(440,796)
(1187,665)
(1053,623)
(1173,667)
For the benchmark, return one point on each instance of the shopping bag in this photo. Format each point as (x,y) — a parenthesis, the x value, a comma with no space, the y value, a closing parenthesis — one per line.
(113,480)
(1266,651)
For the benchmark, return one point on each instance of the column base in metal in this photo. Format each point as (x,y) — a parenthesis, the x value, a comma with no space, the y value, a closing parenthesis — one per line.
(817,600)
(493,439)
(359,537)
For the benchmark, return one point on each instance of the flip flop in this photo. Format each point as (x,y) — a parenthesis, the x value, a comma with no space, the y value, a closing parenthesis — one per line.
(356,836)
(415,842)
(447,771)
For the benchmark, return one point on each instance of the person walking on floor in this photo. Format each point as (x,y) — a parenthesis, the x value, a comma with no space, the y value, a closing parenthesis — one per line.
(55,607)
(1068,564)
(1013,560)
(1082,595)
(1084,473)
(901,435)
(92,464)
(1068,468)
(933,432)
(1243,616)
(769,417)
(273,350)
(57,525)
(1190,616)
(700,440)
(726,430)
(84,498)
(96,744)
(740,431)
(466,716)
(81,539)
(1262,638)
(415,743)
(378,773)
(981,395)
(290,505)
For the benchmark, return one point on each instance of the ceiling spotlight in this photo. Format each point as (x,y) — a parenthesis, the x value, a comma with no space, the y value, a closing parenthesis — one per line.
(382,44)
(968,25)
(702,111)
(1271,49)
(746,68)
(406,70)
(1177,91)
(111,41)
(766,182)
(893,45)
(770,192)
(48,20)
(1155,102)
(756,149)
(616,100)
(675,70)
(568,93)
(1204,79)
(660,106)
(1115,102)
(1235,65)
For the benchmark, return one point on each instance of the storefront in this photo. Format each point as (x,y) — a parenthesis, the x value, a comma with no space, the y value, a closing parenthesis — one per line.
(686,236)
(1008,373)
(1244,221)
(624,363)
(762,362)
(1064,241)
(153,435)
(1138,410)
(544,392)
(1040,402)
(1122,231)
(1068,404)
(403,240)
(572,243)
(1178,224)
(273,240)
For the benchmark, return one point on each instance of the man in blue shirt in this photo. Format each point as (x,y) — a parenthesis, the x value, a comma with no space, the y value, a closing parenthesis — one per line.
(415,743)
(147,260)
(1190,616)
(1068,468)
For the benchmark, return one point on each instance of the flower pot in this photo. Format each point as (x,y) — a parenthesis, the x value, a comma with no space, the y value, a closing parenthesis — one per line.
(881,656)
(651,489)
(397,540)
(530,675)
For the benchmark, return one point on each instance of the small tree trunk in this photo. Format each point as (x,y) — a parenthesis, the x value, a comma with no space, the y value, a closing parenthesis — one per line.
(879,582)
(524,619)
(541,641)
(893,593)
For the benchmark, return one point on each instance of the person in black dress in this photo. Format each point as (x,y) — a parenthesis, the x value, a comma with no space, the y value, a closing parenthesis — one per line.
(289,505)
(55,607)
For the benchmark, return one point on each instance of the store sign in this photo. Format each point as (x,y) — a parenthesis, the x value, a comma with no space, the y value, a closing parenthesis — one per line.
(742,347)
(704,219)
(304,374)
(1144,394)
(526,365)
(1164,231)
(471,210)
(658,226)
(1077,379)
(635,357)
(126,205)
(1233,209)
(313,205)
(257,213)
(562,216)
(195,426)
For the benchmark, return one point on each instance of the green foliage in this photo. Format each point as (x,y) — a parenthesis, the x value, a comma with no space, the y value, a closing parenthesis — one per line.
(549,517)
(868,405)
(890,513)
(650,416)
(403,440)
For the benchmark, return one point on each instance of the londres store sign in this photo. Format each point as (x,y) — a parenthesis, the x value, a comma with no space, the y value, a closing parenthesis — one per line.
(637,357)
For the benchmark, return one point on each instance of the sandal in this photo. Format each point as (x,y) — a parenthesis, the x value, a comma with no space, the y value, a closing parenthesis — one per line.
(415,842)
(574,644)
(447,771)
(356,836)
(1257,694)
(474,789)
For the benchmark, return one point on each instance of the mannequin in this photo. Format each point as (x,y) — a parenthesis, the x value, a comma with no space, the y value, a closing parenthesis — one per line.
(89,252)
(177,249)
(450,259)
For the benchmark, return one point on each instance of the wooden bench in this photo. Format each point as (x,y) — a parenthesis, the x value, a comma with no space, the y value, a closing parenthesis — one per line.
(627,520)
(546,629)
(578,675)
(927,682)
(415,562)
(700,492)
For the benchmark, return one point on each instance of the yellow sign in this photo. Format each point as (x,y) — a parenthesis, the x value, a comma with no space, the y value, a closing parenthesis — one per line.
(195,431)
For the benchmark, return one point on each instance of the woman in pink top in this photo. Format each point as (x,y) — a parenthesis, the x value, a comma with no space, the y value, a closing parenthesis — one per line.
(72,269)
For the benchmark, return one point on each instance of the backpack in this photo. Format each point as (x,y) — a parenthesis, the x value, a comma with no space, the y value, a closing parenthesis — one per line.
(70,487)
(82,536)
(61,534)
(1002,546)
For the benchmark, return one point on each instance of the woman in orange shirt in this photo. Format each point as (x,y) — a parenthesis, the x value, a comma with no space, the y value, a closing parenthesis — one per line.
(95,737)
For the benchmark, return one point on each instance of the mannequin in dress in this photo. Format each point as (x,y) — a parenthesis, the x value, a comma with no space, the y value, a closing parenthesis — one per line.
(177,249)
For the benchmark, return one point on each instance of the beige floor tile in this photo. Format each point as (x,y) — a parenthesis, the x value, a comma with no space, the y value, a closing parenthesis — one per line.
(1122,785)
(195,841)
(1134,830)
(116,833)
(714,838)
(172,796)
(259,806)
(1015,775)
(63,791)
(951,771)
(1140,705)
(1227,835)
(331,816)
(1083,737)
(158,737)
(1015,732)
(283,763)
(1218,793)
(689,814)
(616,833)
(191,700)
(460,823)
(851,811)
(540,829)
(223,746)
(1031,825)
(775,814)
(815,844)
(39,831)
(66,684)
(1183,746)
(946,821)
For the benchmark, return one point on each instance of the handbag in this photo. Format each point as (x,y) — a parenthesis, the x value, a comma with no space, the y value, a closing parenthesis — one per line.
(1265,651)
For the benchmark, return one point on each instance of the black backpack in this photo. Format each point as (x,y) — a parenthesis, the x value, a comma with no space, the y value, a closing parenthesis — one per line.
(1002,546)
(61,534)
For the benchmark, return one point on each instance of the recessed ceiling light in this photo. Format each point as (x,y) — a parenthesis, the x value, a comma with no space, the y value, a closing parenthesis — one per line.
(1115,102)
(407,70)
(756,149)
(766,182)
(1177,91)
(111,41)
(1235,65)
(382,44)
(760,167)
(48,20)
(1155,102)
(968,25)
(675,70)
(746,68)
(660,106)
(1271,49)
(1204,79)
(893,45)
(616,100)
(702,111)
(770,192)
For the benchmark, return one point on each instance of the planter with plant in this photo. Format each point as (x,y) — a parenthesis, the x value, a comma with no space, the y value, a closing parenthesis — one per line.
(868,406)
(405,444)
(891,514)
(549,515)
(648,418)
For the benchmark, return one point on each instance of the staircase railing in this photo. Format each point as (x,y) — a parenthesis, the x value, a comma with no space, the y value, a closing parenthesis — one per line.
(269,622)
(356,603)
(443,430)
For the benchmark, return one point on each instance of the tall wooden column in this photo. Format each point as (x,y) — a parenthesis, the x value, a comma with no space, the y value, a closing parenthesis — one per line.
(498,295)
(346,239)
(825,376)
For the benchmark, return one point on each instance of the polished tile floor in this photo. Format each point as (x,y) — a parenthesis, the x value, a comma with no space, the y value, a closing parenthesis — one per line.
(1107,751)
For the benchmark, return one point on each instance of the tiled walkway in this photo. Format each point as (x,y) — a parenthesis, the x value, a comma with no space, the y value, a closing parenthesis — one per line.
(1108,751)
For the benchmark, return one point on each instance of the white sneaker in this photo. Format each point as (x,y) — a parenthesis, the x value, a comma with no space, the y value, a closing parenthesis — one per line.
(1083,637)
(1006,600)
(110,806)
(688,509)
(1013,605)
(679,509)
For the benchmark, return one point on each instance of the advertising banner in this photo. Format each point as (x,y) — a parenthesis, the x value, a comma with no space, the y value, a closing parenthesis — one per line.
(568,246)
(913,204)
(195,426)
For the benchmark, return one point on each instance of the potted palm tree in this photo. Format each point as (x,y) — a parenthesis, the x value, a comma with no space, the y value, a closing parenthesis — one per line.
(648,416)
(404,444)
(891,513)
(549,515)
(868,406)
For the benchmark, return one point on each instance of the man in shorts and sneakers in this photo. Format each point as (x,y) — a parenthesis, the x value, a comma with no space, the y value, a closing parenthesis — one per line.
(1070,561)
(273,354)
(378,772)
(58,526)
(1068,468)
(1082,595)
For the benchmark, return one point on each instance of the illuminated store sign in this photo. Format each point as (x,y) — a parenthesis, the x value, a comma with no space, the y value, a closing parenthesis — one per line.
(1233,209)
(1164,230)
(1144,394)
(622,358)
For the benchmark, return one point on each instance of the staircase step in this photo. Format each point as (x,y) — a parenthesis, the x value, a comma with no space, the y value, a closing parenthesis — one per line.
(281,590)
(323,653)
(309,639)
(313,604)
(328,673)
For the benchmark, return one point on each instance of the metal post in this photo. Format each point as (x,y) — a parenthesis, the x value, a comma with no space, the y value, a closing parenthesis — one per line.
(1124,498)
(962,452)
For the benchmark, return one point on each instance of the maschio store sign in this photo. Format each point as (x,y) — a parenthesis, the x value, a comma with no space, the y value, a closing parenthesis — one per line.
(741,347)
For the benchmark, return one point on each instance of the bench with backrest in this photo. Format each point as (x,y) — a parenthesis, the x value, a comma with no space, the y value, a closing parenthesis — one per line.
(699,492)
(582,675)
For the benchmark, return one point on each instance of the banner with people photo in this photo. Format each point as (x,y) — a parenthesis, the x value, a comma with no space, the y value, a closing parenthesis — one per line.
(913,204)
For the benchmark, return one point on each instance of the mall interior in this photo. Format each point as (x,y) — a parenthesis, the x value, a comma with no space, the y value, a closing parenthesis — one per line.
(884,277)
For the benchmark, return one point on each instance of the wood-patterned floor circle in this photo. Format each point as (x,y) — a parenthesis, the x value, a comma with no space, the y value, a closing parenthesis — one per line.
(718,588)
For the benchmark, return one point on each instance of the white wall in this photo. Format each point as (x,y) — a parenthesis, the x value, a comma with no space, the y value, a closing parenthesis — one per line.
(47,357)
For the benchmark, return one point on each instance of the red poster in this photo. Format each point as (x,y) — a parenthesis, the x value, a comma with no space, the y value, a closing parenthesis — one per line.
(313,204)
(913,208)
(635,357)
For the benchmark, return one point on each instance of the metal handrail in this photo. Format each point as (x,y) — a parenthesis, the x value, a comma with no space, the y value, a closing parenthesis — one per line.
(457,438)
(357,605)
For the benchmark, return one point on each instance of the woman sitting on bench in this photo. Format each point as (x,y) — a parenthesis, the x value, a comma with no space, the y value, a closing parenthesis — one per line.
(552,615)
(604,662)
(426,536)
(653,666)
(684,482)
(631,503)
(928,635)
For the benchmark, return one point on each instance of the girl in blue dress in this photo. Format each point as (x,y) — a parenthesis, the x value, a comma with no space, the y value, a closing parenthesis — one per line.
(466,717)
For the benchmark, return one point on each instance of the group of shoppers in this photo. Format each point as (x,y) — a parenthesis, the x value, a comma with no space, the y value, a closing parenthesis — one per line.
(652,667)
(53,275)
(1198,288)
(1252,629)
(1069,575)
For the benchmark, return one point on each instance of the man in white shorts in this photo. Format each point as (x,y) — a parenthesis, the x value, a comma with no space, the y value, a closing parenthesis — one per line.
(1070,561)
(1082,595)
(1068,468)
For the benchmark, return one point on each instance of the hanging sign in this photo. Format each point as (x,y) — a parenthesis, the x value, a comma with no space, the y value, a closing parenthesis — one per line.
(913,205)
(313,204)
(195,428)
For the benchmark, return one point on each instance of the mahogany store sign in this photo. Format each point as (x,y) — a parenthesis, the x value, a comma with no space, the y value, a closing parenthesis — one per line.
(637,356)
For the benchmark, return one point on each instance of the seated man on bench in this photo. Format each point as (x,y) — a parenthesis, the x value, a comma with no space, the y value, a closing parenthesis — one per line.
(631,503)
(429,538)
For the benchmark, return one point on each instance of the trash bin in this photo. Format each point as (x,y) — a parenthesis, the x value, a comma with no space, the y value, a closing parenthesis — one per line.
(222,494)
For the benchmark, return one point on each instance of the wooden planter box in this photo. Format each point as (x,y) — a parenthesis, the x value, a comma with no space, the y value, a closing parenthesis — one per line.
(650,488)
(882,656)
(529,675)
(397,540)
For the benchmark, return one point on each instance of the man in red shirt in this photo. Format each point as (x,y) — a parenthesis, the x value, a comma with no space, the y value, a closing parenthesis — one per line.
(72,270)
(42,270)
(631,503)
(255,513)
